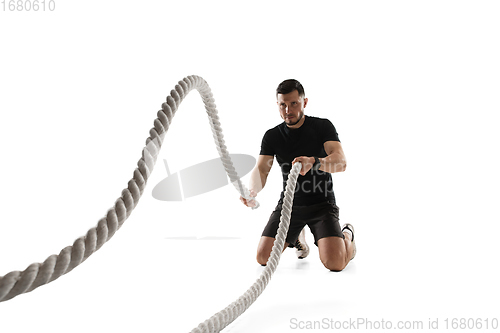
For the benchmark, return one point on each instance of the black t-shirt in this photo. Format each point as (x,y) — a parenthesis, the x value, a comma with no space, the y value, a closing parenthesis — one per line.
(307,140)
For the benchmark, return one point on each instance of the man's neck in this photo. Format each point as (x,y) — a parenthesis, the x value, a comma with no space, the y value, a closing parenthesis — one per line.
(297,125)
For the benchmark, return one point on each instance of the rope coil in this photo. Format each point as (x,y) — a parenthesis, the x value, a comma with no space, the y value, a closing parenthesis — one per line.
(38,274)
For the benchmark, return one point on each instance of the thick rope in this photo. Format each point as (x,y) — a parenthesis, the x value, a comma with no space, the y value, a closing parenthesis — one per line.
(38,274)
(221,319)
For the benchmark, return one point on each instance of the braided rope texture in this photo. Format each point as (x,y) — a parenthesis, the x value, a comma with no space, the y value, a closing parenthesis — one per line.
(221,319)
(38,274)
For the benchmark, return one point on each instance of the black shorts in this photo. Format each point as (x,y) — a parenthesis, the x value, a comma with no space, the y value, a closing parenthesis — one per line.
(322,219)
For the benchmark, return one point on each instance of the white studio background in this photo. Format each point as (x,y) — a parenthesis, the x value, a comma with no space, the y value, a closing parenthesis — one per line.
(411,86)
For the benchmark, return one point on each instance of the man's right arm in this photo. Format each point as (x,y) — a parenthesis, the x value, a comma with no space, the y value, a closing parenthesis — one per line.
(258,177)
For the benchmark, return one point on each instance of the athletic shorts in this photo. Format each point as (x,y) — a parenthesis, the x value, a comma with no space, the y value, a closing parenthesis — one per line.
(322,219)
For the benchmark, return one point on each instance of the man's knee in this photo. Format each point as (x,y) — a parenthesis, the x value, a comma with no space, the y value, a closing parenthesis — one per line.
(265,248)
(332,253)
(262,257)
(334,263)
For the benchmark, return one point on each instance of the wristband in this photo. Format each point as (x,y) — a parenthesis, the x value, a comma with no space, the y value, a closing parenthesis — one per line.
(317,164)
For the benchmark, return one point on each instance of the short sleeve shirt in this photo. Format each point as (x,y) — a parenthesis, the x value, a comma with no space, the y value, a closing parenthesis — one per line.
(308,140)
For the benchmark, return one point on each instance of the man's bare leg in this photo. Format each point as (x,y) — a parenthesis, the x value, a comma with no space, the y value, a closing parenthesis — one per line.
(335,252)
(264,249)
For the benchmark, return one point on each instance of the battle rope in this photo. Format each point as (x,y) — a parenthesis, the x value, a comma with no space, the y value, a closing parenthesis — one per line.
(38,274)
(226,316)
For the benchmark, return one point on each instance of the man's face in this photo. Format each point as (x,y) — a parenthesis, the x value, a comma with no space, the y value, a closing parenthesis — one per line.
(291,108)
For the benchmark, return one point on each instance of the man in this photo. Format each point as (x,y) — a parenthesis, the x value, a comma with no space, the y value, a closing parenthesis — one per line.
(315,143)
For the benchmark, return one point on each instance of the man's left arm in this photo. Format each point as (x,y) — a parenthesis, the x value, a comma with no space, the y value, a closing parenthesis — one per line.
(333,162)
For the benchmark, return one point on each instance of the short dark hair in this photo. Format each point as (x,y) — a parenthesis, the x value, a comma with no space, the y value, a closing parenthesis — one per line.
(288,86)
